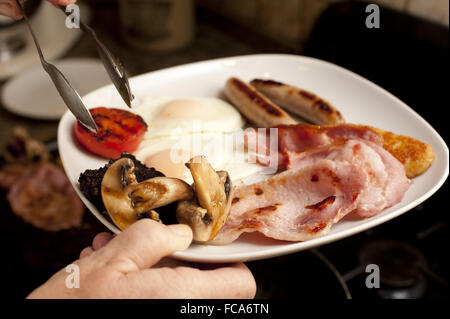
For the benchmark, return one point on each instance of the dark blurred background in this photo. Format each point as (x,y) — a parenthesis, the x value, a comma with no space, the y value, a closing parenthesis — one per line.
(407,56)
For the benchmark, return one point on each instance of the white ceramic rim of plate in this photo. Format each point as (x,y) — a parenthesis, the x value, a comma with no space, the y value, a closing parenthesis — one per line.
(294,246)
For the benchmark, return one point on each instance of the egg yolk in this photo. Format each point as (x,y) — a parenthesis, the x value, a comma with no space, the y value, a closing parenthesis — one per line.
(171,162)
(185,109)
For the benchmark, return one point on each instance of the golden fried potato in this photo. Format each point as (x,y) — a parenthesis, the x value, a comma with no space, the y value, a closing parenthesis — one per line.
(415,155)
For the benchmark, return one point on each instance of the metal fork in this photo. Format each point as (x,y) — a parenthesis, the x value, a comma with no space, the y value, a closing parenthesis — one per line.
(67,92)
(70,96)
(112,65)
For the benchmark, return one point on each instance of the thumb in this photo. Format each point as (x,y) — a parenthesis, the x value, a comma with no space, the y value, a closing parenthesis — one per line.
(144,243)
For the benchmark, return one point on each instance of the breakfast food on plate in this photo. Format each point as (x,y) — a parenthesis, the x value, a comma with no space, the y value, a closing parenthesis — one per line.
(300,137)
(127,200)
(297,204)
(170,115)
(208,211)
(298,101)
(118,131)
(257,108)
(90,182)
(204,206)
(386,179)
(321,173)
(415,155)
(321,183)
(181,128)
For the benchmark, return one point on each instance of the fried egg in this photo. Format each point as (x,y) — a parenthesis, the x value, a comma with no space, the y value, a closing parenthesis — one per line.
(180,128)
(175,116)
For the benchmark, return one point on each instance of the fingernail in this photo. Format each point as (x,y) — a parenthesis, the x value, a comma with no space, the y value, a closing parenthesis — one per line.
(181,230)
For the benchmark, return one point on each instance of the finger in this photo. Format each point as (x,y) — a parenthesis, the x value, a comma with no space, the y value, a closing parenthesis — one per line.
(144,243)
(86,252)
(10,9)
(101,240)
(62,2)
(231,281)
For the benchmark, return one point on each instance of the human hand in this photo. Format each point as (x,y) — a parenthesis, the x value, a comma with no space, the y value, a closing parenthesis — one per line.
(10,9)
(130,266)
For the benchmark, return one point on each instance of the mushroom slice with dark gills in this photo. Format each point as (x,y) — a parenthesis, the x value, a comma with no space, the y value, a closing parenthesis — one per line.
(126,200)
(207,213)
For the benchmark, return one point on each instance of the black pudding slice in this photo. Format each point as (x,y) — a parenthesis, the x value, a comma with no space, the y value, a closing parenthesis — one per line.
(91,180)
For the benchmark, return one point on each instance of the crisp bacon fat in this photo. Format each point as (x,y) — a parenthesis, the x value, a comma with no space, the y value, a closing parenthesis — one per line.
(118,131)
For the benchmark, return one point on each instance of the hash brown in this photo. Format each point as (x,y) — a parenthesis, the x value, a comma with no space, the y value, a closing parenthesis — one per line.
(415,155)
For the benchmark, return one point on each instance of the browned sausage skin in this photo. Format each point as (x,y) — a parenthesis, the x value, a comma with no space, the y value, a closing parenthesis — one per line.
(299,101)
(254,106)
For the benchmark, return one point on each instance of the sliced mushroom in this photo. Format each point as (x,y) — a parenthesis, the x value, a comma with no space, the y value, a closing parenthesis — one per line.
(126,200)
(226,181)
(207,214)
(190,213)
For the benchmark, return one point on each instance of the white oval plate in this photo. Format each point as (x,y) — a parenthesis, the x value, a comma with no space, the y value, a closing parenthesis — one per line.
(33,94)
(360,101)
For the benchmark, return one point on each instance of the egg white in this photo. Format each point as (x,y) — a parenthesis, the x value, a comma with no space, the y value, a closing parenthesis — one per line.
(167,116)
(179,129)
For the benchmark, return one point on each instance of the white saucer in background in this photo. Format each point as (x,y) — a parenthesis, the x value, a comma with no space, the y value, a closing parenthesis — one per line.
(32,93)
(54,38)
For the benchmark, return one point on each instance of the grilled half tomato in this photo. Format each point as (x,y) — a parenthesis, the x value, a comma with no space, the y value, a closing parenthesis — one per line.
(118,131)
